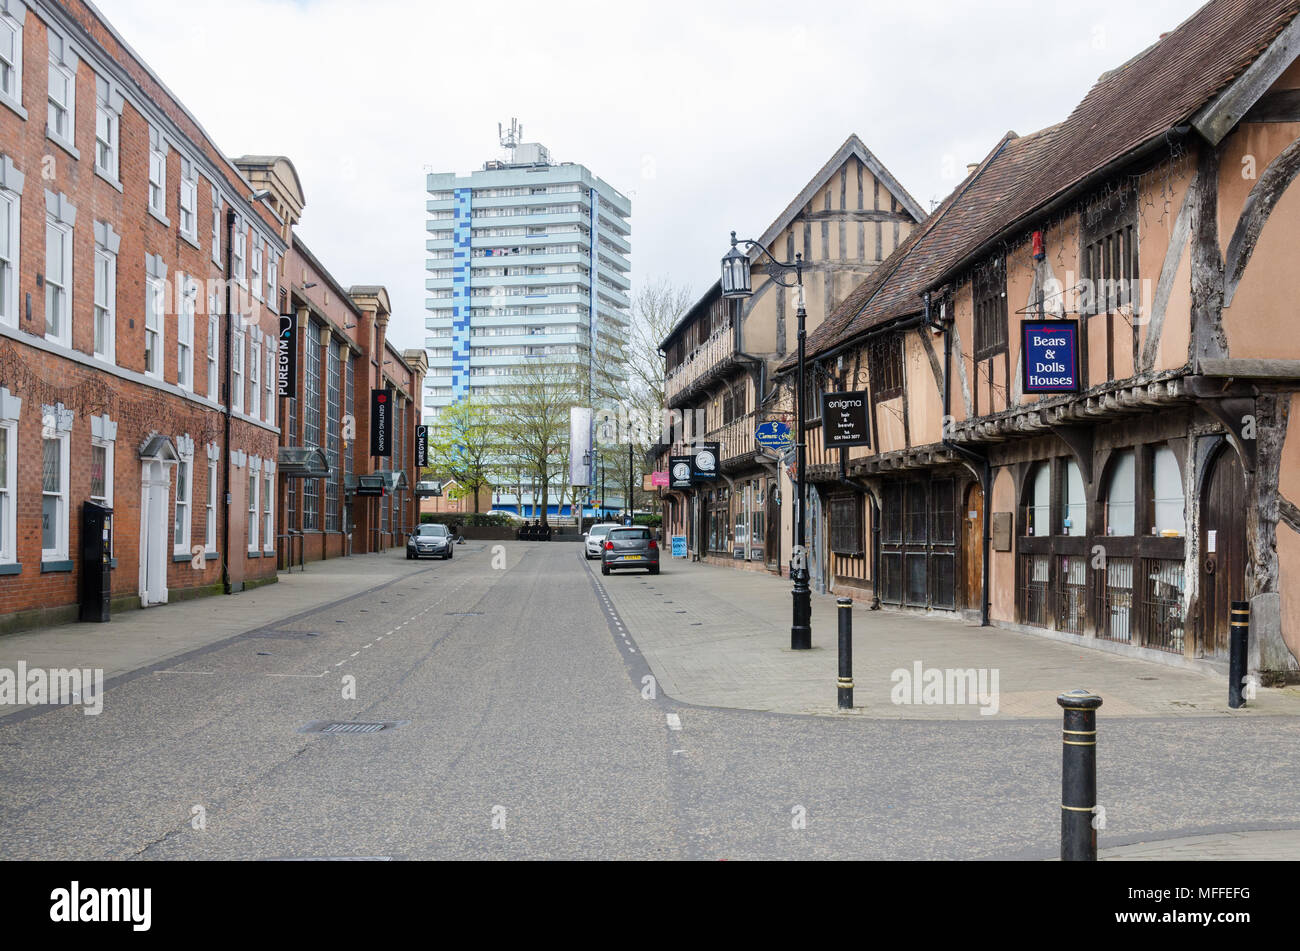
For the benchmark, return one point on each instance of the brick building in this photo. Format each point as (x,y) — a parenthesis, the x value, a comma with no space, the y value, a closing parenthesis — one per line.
(140,286)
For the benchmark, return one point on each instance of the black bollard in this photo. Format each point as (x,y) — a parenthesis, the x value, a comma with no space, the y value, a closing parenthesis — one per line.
(845,682)
(1238,639)
(1078,775)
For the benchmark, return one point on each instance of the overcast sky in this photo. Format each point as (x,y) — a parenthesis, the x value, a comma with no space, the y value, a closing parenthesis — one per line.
(710,116)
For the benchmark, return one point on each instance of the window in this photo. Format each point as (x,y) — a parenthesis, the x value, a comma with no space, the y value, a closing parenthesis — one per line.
(1109,255)
(105,303)
(252,509)
(61,117)
(272,276)
(210,509)
(269,381)
(1167,518)
(885,364)
(214,346)
(157,174)
(237,373)
(58,282)
(101,472)
(54,497)
(1121,493)
(333,391)
(185,333)
(846,525)
(257,266)
(153,327)
(189,200)
(9,248)
(1039,521)
(989,288)
(8,476)
(268,513)
(107,129)
(216,227)
(184,485)
(11,58)
(255,377)
(1074,519)
(311,422)
(239,252)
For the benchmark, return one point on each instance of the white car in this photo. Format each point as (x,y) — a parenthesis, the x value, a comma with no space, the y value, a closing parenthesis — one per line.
(594,539)
(513,516)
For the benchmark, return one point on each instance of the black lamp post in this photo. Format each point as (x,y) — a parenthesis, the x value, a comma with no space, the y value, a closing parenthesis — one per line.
(736,285)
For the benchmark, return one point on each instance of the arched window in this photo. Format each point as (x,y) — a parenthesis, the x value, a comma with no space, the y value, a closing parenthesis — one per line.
(1075,521)
(1121,495)
(1167,486)
(1039,523)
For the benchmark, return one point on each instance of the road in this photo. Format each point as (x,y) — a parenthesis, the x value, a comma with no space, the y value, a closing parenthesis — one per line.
(525,731)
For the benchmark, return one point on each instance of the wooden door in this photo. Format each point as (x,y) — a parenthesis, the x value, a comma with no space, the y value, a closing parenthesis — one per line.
(1223,550)
(972,546)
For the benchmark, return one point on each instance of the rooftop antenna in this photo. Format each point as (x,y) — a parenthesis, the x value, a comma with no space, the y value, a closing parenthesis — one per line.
(510,140)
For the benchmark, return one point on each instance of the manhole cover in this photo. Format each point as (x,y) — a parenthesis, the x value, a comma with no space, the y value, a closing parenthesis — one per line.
(335,727)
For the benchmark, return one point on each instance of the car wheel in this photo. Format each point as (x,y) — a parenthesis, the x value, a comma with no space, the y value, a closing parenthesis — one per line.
(408,556)
(604,569)
(654,571)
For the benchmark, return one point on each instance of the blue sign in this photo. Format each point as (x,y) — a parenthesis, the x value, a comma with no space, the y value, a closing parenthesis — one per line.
(679,546)
(1050,356)
(774,435)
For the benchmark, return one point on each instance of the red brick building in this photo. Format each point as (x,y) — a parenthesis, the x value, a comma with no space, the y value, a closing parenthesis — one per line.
(141,278)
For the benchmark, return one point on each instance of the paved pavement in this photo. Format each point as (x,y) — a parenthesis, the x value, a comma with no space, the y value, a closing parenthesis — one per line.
(1261,845)
(527,724)
(721,637)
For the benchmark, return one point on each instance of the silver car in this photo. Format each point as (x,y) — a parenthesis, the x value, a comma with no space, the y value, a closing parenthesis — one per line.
(633,547)
(594,539)
(432,539)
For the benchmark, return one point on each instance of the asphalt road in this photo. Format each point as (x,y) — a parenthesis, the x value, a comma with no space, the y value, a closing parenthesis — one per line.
(525,732)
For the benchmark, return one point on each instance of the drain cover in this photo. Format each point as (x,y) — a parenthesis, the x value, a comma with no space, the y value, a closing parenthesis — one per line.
(336,727)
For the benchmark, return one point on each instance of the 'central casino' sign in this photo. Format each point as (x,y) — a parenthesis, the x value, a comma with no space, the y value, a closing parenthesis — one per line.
(1050,356)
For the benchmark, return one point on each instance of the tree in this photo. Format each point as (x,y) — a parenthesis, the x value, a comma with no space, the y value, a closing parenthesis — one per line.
(634,379)
(463,447)
(634,374)
(534,414)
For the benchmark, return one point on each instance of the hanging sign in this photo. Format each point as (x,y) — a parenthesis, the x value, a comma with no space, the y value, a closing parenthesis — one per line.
(421,446)
(1049,356)
(381,422)
(704,462)
(679,472)
(286,363)
(774,434)
(844,420)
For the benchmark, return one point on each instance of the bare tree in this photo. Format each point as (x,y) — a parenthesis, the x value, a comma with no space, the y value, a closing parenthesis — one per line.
(534,414)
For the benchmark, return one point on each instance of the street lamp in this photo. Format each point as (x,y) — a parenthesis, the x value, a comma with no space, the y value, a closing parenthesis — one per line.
(736,286)
(633,432)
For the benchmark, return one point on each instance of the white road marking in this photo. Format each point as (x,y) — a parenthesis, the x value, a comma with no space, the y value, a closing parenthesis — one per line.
(367,647)
(355,653)
(674,721)
(311,676)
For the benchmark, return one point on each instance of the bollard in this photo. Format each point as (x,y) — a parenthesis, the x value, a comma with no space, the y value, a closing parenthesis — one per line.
(1238,639)
(845,682)
(1078,775)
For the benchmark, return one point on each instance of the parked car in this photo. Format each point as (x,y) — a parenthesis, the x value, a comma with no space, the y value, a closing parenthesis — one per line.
(633,547)
(513,516)
(594,539)
(432,539)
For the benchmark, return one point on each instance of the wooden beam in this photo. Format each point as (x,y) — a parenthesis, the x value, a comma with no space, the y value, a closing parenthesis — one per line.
(1218,118)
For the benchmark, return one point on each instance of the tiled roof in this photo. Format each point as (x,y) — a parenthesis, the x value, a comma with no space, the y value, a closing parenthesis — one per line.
(1143,99)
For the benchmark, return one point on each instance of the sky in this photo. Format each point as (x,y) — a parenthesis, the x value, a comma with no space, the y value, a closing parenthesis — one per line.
(710,116)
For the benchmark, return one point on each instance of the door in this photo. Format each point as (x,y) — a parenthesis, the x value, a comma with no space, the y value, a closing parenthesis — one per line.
(972,547)
(1223,549)
(773,542)
(155,552)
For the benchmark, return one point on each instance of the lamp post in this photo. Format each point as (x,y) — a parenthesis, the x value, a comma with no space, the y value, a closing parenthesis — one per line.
(632,434)
(736,286)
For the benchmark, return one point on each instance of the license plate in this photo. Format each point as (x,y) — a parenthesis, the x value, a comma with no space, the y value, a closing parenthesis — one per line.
(632,557)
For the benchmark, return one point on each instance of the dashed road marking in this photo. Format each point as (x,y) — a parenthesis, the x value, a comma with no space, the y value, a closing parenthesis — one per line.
(674,721)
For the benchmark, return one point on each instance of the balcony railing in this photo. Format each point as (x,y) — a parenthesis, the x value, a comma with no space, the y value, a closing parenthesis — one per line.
(703,359)
(734,440)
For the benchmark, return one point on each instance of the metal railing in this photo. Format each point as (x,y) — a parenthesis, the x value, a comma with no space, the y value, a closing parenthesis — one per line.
(284,553)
